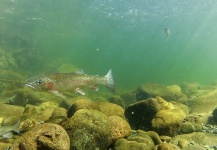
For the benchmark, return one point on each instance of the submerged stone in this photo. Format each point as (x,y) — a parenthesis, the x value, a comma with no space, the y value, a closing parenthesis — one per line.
(88,129)
(44,136)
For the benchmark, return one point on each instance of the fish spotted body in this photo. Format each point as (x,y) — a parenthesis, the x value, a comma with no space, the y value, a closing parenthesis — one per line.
(70,81)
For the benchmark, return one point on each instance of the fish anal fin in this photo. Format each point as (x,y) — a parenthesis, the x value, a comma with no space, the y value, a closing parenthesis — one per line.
(80,91)
(95,87)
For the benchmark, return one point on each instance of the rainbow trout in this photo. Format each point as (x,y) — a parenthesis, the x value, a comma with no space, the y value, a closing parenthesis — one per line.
(74,81)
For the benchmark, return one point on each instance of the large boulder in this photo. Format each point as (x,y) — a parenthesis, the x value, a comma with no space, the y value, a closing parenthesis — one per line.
(141,113)
(169,119)
(156,114)
(89,129)
(153,90)
(168,122)
(204,104)
(107,108)
(120,128)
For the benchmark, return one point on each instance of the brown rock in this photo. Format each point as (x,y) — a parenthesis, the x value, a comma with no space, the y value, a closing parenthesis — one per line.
(44,136)
(59,111)
(81,104)
(168,122)
(166,146)
(107,108)
(183,143)
(120,128)
(205,103)
(89,129)
(199,138)
(141,113)
(153,90)
(110,109)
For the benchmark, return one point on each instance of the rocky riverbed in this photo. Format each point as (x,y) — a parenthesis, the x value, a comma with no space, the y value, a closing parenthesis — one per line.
(150,117)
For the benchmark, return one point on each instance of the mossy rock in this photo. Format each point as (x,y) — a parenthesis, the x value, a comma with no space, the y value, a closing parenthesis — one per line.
(88,129)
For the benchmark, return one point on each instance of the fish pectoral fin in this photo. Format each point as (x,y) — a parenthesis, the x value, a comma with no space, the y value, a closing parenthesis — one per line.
(80,91)
(57,93)
(8,135)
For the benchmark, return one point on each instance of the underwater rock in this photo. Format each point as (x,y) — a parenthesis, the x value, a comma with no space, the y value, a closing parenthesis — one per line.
(81,104)
(27,124)
(166,146)
(141,113)
(59,111)
(195,140)
(25,96)
(67,103)
(40,113)
(117,100)
(214,114)
(204,104)
(193,123)
(153,90)
(137,140)
(183,143)
(110,109)
(168,122)
(157,114)
(120,128)
(165,139)
(187,127)
(129,97)
(44,136)
(190,88)
(88,129)
(154,136)
(9,114)
(57,120)
(58,116)
(107,108)
(123,144)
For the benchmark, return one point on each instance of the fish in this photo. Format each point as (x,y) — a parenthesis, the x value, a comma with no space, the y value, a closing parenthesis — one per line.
(75,81)
(167,32)
(6,131)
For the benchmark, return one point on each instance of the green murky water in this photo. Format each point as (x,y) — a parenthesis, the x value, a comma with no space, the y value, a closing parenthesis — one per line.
(123,35)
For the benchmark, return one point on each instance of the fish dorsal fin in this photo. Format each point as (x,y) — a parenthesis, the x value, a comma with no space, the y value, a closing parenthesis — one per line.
(95,87)
(80,91)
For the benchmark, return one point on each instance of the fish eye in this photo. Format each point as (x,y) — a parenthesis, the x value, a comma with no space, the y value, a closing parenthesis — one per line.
(39,82)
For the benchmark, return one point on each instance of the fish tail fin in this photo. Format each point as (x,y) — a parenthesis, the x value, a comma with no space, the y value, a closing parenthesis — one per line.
(109,81)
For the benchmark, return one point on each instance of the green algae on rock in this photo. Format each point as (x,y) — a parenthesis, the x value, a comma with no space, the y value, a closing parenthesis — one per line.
(120,128)
(107,108)
(88,129)
(138,140)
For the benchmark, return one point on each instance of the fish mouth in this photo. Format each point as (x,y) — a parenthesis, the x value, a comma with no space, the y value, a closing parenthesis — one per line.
(29,85)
